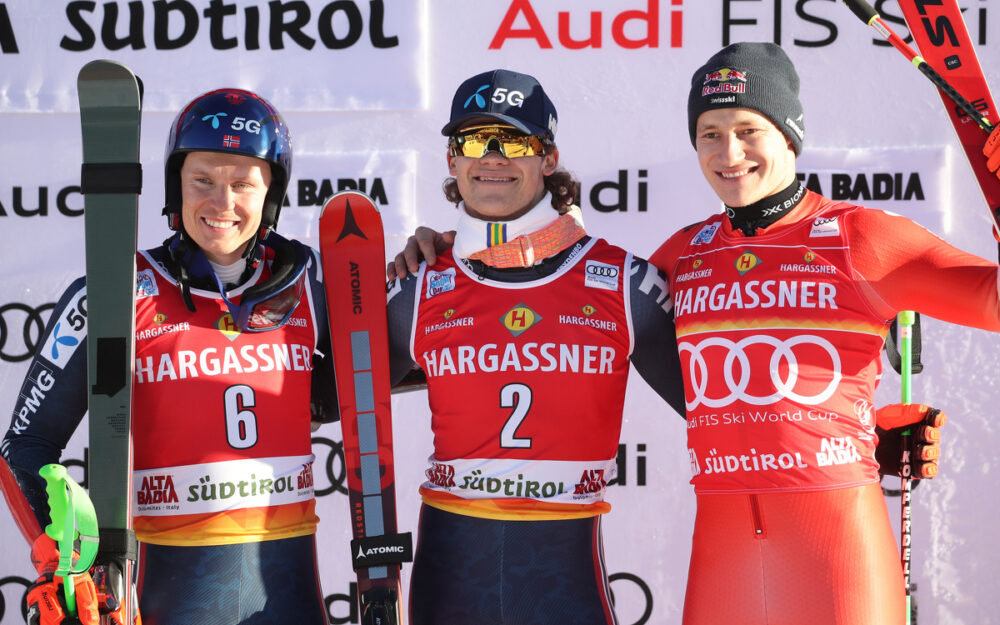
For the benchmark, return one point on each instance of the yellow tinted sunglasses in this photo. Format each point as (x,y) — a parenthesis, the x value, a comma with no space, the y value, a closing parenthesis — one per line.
(475,142)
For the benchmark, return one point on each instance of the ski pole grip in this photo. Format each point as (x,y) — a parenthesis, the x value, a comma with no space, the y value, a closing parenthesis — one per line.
(906,320)
(862,9)
(58,500)
(62,527)
(73,517)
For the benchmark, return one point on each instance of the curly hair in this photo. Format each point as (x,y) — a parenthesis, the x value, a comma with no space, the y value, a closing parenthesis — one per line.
(565,189)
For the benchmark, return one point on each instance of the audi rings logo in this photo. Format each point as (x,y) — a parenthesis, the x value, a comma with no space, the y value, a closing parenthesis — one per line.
(782,356)
(636,598)
(331,459)
(18,589)
(605,271)
(21,329)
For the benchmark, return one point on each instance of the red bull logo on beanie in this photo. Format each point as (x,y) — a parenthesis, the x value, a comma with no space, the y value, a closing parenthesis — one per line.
(725,74)
(724,80)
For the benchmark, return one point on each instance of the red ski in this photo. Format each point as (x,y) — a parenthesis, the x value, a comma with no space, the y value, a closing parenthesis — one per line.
(352,249)
(940,33)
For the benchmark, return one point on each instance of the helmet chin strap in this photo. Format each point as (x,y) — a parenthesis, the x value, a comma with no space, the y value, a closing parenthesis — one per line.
(182,250)
(253,252)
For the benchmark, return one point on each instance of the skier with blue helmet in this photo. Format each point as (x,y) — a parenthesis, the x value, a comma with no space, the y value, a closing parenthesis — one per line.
(231,333)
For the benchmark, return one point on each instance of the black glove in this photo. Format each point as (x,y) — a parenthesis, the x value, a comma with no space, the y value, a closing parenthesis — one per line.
(924,445)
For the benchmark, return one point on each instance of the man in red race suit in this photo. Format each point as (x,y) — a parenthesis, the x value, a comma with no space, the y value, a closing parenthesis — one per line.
(781,305)
(229,375)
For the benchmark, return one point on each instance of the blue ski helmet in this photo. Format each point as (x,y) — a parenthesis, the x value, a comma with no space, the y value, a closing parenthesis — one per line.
(229,120)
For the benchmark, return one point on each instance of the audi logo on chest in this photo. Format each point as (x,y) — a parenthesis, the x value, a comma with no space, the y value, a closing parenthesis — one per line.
(731,365)
(605,271)
(601,275)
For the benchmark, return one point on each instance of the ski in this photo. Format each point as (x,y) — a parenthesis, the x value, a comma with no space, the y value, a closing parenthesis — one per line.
(110,109)
(353,256)
(940,34)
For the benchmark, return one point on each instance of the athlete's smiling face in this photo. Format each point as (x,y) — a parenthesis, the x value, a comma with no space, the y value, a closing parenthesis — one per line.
(743,155)
(497,188)
(223,199)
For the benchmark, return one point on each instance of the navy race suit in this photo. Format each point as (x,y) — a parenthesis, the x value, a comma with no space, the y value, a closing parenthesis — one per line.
(252,558)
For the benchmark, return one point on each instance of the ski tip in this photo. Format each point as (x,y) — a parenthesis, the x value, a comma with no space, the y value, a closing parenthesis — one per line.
(349,198)
(108,83)
(104,69)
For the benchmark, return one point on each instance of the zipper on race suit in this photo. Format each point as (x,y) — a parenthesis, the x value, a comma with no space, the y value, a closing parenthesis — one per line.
(755,517)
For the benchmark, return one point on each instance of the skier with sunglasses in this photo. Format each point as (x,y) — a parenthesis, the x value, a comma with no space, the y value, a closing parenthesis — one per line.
(525,330)
(231,331)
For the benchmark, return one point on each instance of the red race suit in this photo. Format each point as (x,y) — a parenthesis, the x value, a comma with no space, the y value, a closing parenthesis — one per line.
(533,449)
(780,337)
(228,458)
(526,372)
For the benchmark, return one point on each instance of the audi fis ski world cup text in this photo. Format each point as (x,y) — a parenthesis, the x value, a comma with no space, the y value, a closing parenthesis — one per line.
(805,24)
(630,26)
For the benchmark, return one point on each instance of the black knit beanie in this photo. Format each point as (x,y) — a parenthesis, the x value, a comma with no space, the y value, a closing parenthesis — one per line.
(757,76)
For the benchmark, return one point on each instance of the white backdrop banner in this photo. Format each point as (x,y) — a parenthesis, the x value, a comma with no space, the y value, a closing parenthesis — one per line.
(298,53)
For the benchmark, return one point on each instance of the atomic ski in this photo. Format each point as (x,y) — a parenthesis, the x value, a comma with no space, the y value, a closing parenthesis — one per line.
(111,178)
(352,250)
(940,33)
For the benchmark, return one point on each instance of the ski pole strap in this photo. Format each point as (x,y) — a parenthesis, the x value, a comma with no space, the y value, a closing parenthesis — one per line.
(111,178)
(369,551)
(892,351)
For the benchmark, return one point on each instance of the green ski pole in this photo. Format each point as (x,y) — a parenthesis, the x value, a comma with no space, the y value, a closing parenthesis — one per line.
(72,517)
(905,320)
